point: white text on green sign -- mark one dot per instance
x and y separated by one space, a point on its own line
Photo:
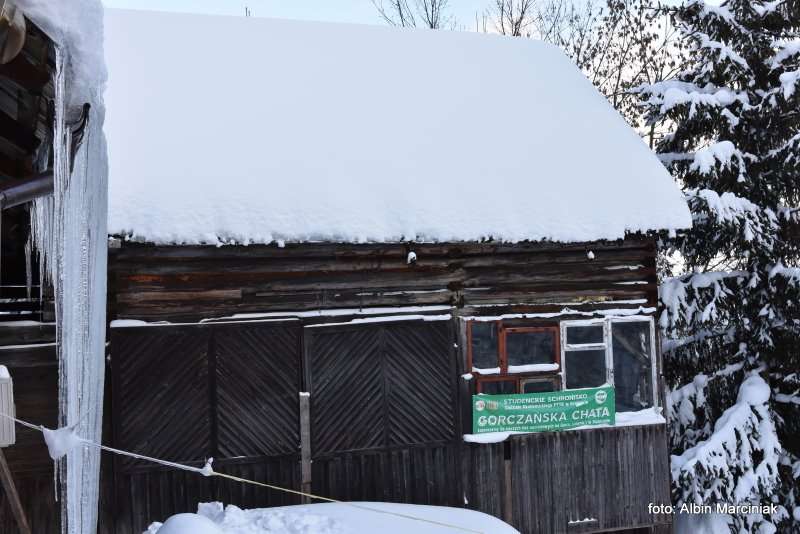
537 412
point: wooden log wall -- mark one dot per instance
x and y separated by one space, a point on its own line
190 283
26 94
29 352
606 475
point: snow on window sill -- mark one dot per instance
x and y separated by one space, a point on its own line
533 368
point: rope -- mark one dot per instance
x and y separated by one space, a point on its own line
207 471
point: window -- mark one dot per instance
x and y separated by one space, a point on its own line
484 345
497 386
540 385
575 354
585 354
633 364
505 357
531 349
585 368
616 351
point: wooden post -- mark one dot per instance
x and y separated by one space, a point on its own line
10 490
305 445
508 507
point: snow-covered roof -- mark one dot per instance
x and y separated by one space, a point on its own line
256 130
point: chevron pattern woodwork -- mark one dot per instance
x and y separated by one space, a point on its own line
257 382
382 385
161 392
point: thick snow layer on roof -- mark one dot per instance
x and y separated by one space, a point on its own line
251 130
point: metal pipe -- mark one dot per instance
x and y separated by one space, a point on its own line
26 190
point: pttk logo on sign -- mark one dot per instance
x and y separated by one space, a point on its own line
538 412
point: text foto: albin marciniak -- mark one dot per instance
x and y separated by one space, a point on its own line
718 508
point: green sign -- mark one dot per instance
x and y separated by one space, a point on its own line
538 412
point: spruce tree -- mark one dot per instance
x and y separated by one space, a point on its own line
731 311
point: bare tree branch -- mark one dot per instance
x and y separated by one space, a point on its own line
426 13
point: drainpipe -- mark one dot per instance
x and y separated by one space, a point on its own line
26 190
12 31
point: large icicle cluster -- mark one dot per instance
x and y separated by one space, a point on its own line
69 230
731 312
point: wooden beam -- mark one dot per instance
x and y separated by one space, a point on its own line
10 490
18 134
25 74
305 446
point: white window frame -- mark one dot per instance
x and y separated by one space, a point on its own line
608 346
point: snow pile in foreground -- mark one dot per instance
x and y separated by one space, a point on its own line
291 131
329 518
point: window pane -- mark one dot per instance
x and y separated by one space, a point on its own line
497 387
539 386
527 348
585 368
633 376
584 335
484 345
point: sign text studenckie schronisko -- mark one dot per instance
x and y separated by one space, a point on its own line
538 412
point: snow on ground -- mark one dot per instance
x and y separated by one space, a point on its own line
329 518
702 524
255 131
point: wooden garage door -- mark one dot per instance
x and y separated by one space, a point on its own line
187 393
382 421
380 385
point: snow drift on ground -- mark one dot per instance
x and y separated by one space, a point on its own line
253 130
328 518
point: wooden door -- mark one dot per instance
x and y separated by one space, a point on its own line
383 411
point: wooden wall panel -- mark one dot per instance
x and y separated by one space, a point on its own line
380 385
257 380
416 474
161 393
191 392
607 474
345 378
196 282
29 352
420 377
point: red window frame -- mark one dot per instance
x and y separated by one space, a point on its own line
502 341
502 355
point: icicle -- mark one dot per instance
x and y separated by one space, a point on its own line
55 480
69 231
29 269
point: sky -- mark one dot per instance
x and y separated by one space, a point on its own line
357 11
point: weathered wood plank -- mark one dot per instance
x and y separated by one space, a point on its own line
16 334
201 282
560 477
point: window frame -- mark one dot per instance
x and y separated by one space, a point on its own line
502 355
484 379
541 378
608 346
562 347
503 340
653 349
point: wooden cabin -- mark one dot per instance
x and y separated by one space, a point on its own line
325 239
391 222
